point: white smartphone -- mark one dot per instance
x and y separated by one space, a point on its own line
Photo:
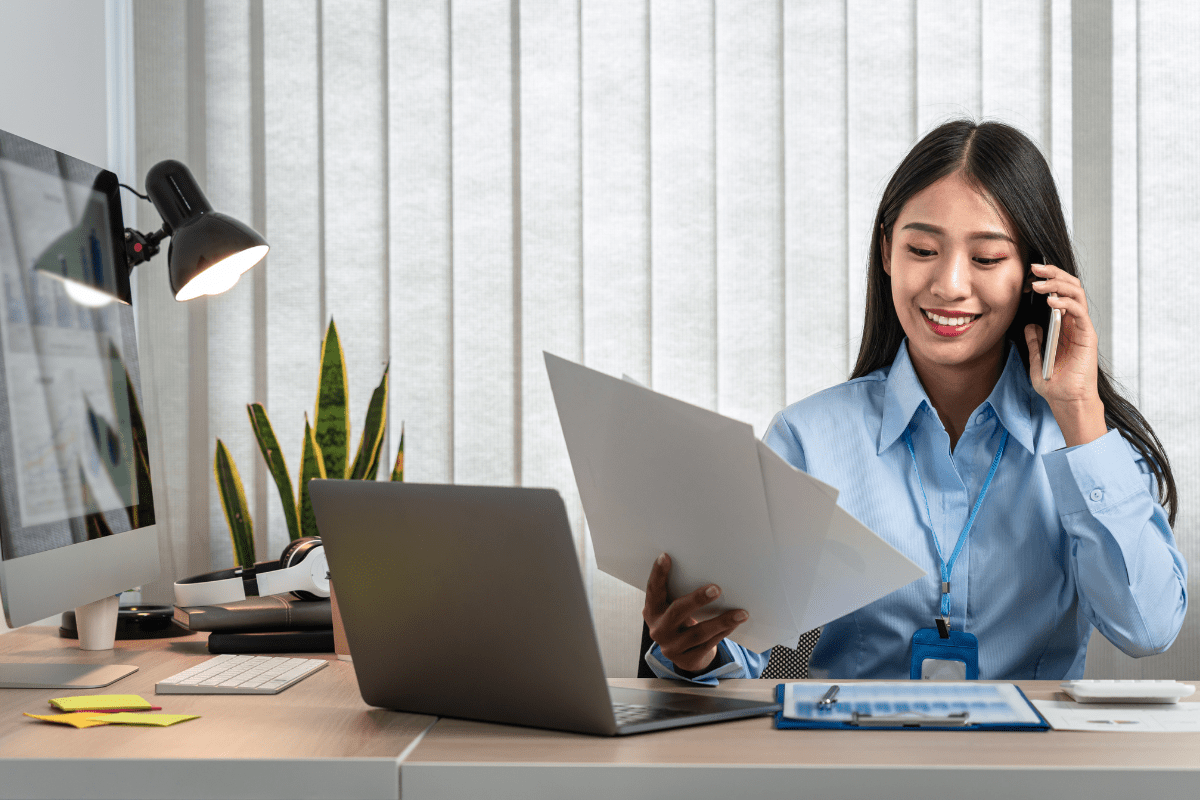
1050 345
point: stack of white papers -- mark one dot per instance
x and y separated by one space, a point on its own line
656 475
1121 717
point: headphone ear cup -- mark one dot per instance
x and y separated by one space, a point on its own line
294 553
291 554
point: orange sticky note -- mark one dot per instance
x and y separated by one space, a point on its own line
74 720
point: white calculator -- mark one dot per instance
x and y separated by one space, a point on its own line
1127 691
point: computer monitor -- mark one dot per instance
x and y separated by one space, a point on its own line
76 503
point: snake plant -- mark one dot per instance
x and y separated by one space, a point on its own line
127 466
324 453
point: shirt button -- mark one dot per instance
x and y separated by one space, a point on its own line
1097 495
982 418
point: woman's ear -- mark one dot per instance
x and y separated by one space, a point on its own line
885 251
1027 285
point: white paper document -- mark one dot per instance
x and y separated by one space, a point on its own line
1123 717
656 475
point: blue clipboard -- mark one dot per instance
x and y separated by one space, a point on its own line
910 705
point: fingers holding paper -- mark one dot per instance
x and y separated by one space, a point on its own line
690 645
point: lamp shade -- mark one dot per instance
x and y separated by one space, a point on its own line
208 255
209 250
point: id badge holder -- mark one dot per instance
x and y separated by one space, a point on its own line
935 658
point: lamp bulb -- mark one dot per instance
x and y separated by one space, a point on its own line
222 276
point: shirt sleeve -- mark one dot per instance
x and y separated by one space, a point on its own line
1131 578
781 437
733 661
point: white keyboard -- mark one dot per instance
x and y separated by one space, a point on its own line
1127 691
229 674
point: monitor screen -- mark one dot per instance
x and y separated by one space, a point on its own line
74 460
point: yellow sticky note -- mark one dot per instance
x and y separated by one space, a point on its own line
135 718
100 702
74 720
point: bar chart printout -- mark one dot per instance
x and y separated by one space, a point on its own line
984 703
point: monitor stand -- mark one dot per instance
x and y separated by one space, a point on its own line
36 675
97 624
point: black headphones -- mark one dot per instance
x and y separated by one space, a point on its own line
301 570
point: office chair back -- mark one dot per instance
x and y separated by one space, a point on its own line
786 663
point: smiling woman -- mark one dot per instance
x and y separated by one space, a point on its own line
994 191
1052 496
956 277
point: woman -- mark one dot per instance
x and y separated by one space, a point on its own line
1039 508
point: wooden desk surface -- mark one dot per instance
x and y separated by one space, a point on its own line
318 739
315 739
751 758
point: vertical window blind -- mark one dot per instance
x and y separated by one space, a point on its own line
681 191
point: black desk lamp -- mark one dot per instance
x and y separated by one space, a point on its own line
209 250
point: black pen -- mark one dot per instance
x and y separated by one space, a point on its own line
830 696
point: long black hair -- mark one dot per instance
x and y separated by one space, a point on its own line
1009 169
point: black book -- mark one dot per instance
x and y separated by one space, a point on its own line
273 613
259 642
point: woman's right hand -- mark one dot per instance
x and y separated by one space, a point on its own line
691 646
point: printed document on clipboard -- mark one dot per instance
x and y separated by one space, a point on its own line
656 474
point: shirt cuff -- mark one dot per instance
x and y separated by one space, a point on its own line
1094 476
725 666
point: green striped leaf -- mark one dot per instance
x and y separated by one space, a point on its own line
373 470
96 526
366 461
94 522
273 455
312 465
398 468
141 512
331 422
233 501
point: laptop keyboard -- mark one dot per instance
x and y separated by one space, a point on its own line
635 714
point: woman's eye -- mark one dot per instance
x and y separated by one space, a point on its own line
988 262
917 251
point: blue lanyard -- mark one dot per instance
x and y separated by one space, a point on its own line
948 567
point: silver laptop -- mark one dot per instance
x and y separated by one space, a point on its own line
467 601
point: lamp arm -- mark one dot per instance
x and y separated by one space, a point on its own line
141 247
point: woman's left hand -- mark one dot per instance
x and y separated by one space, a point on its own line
1072 389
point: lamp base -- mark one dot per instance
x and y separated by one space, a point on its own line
133 622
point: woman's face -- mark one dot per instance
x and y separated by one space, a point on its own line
957 275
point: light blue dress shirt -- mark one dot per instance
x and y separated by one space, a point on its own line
1066 538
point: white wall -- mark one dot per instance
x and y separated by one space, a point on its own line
53 78
52 75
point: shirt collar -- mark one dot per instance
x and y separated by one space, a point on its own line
1011 399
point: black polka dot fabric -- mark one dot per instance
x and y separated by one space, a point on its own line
789 664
